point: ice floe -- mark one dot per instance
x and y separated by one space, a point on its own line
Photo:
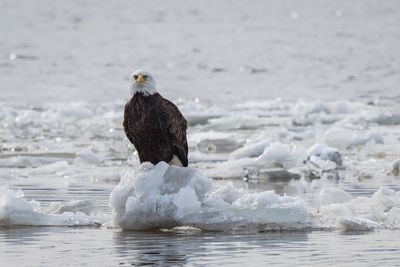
395 167
15 210
345 138
163 196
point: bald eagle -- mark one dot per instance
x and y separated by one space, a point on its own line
153 124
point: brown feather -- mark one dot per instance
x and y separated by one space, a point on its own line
156 128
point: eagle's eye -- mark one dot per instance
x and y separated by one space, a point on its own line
135 77
145 77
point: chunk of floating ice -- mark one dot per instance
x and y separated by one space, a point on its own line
253 149
164 196
322 158
17 211
157 196
325 153
231 168
387 119
87 156
387 197
24 161
224 195
238 121
349 224
86 206
393 218
346 138
333 196
50 168
305 113
281 155
395 167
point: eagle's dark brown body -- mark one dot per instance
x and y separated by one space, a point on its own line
156 128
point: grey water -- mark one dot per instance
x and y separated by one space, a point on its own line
96 247
64 69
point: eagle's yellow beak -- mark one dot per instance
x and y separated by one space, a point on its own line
141 79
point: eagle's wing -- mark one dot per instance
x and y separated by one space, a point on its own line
127 123
175 127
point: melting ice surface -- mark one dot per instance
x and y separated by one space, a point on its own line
253 166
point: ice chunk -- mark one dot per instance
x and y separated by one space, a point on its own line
87 156
50 168
356 224
387 197
237 121
157 196
325 153
164 196
322 159
231 168
86 206
347 138
395 167
226 194
333 196
387 118
279 155
393 218
253 149
15 210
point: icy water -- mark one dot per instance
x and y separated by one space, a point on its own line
260 84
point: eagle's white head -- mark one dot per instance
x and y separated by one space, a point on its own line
143 82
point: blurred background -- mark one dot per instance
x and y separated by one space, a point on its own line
222 51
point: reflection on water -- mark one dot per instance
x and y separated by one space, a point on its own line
153 248
109 247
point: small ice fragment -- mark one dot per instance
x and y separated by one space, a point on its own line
86 206
157 196
325 152
227 194
253 149
395 167
278 155
17 211
349 224
387 197
393 218
347 138
50 168
87 156
333 195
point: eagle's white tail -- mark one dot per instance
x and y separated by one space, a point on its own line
175 161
